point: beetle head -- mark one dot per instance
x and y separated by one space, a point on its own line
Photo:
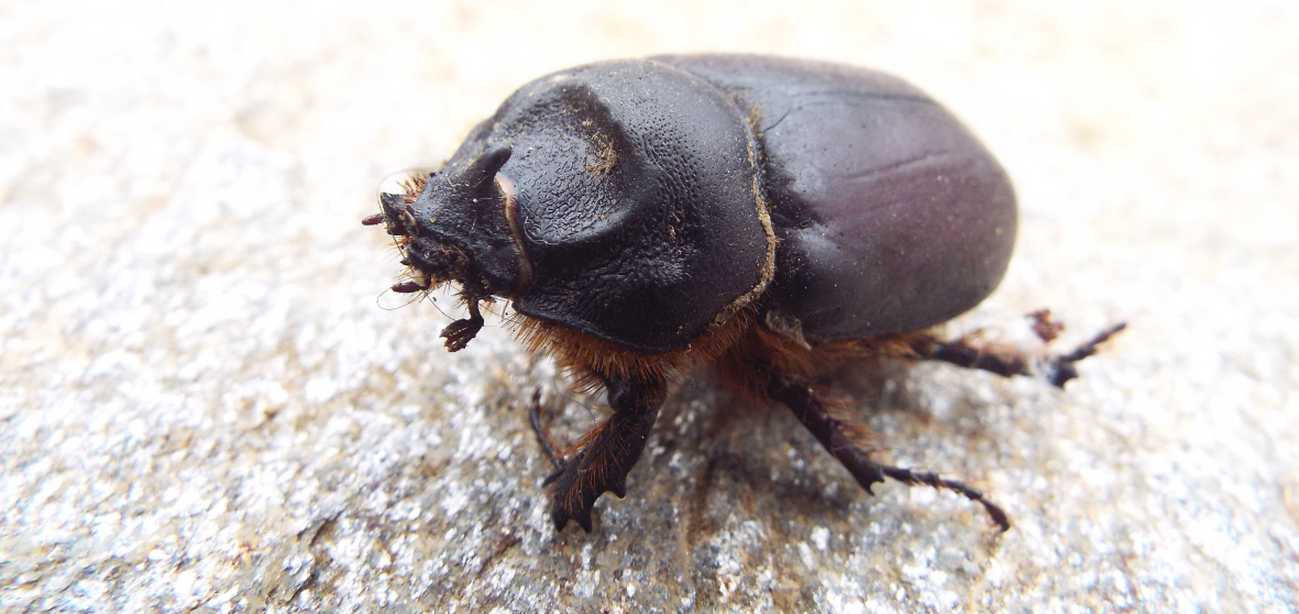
455 225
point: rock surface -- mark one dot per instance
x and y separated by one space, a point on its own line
204 405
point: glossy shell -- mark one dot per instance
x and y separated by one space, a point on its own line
892 217
656 197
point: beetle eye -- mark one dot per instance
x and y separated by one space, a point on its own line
406 183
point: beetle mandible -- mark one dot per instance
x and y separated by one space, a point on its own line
769 218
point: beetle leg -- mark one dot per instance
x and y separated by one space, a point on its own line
606 453
1060 368
1009 361
458 334
843 440
534 420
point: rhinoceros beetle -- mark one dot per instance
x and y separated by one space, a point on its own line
769 218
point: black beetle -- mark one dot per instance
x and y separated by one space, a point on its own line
770 218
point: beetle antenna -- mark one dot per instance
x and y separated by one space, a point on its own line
406 287
378 300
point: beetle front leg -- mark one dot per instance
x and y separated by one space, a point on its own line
605 454
844 440
1006 360
458 334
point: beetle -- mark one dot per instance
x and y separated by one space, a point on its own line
768 218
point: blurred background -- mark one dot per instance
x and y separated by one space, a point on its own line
207 402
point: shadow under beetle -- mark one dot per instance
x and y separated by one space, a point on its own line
768 218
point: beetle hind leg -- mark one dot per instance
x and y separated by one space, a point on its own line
1060 368
604 455
1007 360
844 440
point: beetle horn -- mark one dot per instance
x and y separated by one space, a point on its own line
397 213
391 203
483 169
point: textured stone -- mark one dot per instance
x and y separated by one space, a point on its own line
206 402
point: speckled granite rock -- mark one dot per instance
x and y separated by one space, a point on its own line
204 405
